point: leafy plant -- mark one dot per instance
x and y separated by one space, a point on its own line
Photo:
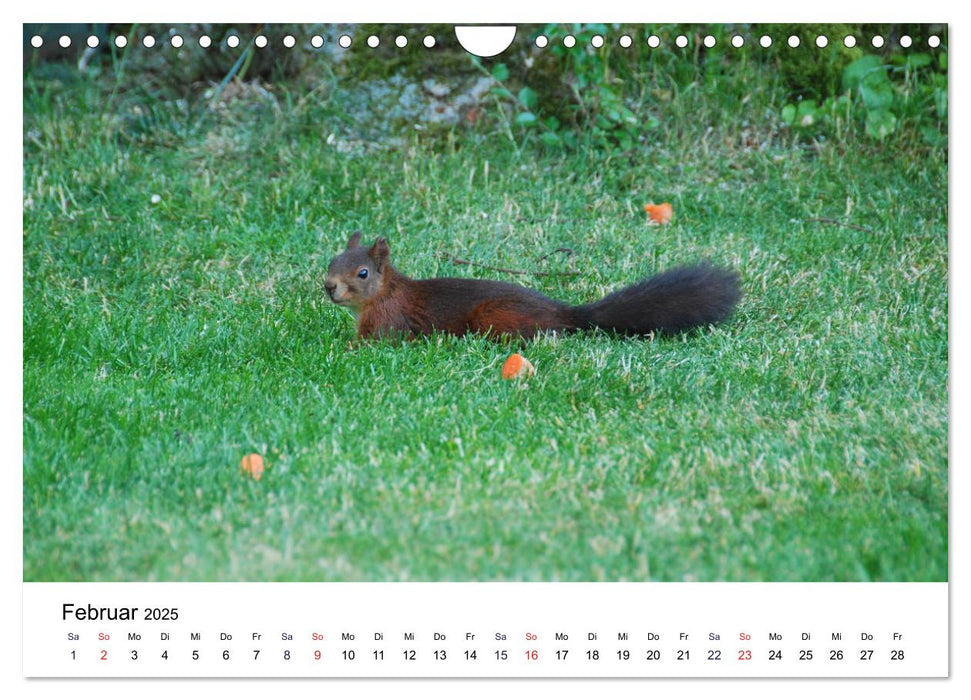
881 93
585 93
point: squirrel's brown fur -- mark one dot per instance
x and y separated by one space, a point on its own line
387 302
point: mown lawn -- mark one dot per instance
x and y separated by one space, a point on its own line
805 439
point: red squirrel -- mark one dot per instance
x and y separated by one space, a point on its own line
387 303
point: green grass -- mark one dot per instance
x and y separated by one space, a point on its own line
805 439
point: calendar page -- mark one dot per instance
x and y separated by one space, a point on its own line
524 350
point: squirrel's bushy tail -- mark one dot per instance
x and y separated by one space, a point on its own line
670 302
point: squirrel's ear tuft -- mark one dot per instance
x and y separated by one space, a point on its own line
379 252
354 240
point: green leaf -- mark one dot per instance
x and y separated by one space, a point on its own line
789 114
806 107
608 96
501 92
528 97
880 123
869 68
877 97
526 118
933 136
548 138
940 103
919 60
500 72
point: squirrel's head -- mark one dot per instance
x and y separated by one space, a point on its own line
357 275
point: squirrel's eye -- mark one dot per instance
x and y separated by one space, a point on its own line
362 273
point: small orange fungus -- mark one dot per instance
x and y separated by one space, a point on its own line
252 464
659 214
517 366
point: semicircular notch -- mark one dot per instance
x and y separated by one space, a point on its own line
485 41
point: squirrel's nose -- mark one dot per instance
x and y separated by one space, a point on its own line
330 287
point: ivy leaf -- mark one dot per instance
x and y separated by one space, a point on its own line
527 96
877 97
880 123
500 72
865 68
933 136
919 60
526 118
806 107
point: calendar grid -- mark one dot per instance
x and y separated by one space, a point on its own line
485 630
